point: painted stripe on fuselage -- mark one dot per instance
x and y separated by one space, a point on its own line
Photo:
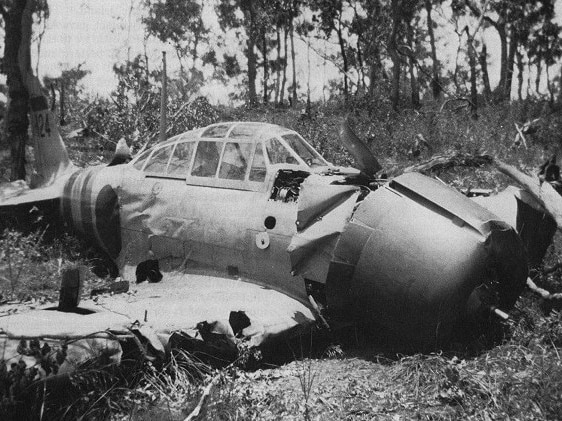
78 204
66 203
86 204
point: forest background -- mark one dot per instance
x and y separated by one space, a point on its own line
418 78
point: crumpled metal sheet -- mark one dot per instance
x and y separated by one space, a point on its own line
519 209
318 199
85 337
217 313
322 214
172 221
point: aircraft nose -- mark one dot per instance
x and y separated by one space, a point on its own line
409 266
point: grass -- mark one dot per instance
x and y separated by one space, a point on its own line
519 377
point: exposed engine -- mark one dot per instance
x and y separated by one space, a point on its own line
287 185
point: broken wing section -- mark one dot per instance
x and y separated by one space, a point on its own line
54 342
209 309
211 315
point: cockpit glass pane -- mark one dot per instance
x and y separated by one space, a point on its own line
258 170
235 160
304 150
206 159
244 131
179 164
218 131
159 160
277 153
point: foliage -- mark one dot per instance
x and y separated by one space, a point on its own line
133 112
30 266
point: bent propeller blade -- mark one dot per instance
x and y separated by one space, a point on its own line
366 161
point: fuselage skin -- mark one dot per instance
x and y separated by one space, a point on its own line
412 256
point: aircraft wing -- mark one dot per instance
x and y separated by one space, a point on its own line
200 313
19 193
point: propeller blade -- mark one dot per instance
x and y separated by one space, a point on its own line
366 161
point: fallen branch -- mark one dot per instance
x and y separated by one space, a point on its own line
466 100
520 134
443 162
206 391
543 292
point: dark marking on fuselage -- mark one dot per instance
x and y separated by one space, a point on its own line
108 223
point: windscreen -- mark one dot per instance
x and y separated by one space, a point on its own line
304 150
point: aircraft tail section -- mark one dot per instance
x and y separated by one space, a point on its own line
51 156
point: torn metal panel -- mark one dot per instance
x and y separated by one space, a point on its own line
323 212
523 212
441 198
83 337
317 199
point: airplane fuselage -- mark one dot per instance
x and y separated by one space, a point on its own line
411 255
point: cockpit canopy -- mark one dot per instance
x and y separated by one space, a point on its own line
240 151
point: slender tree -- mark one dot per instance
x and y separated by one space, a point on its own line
435 79
179 23
483 59
513 20
393 52
16 120
331 19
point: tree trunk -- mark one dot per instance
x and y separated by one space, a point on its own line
539 71
435 84
548 84
17 121
501 89
361 82
519 75
285 63
513 45
265 69
375 71
251 55
528 79
472 65
394 56
341 42
483 58
412 68
560 86
308 101
250 18
294 93
278 71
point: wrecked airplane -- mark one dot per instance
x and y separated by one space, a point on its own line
247 234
